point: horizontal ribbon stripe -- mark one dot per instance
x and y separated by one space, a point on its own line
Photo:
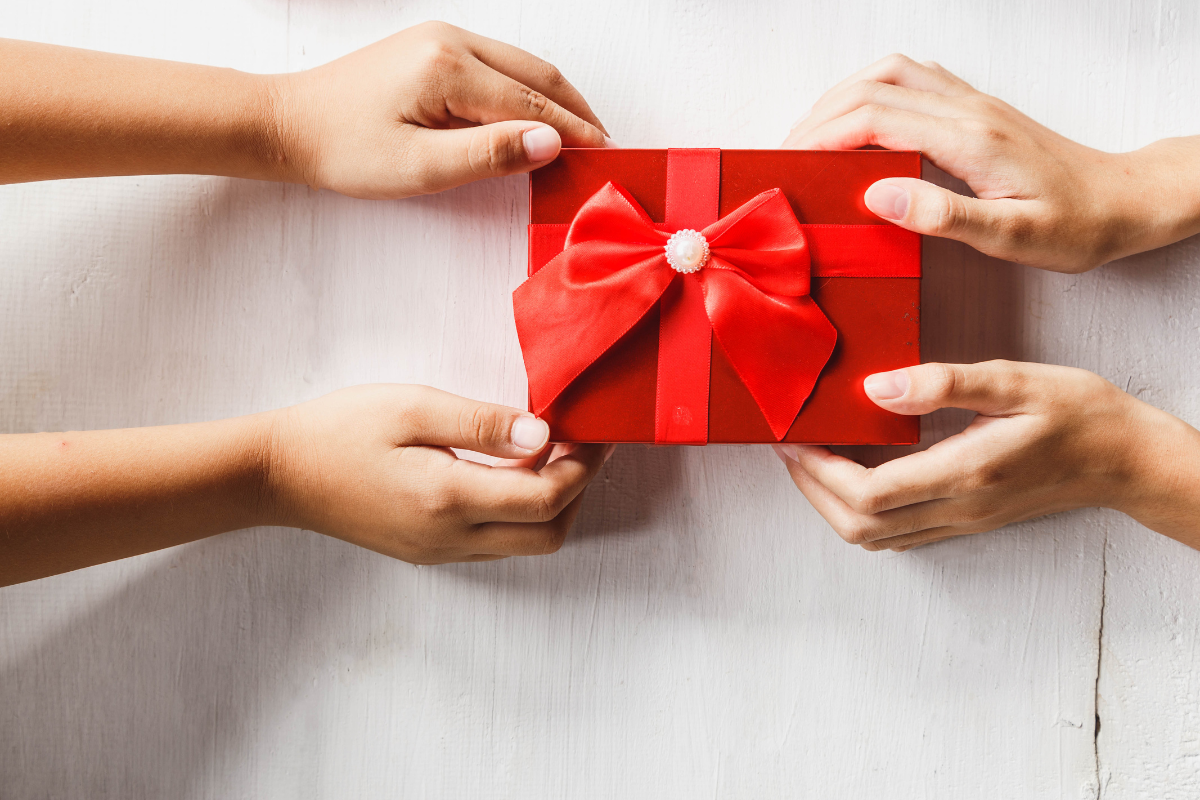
838 251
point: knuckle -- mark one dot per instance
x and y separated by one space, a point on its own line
856 531
1019 231
942 380
535 102
436 28
897 61
1012 378
985 131
553 77
492 151
478 424
872 500
866 90
982 509
411 419
946 214
547 504
439 503
555 538
438 56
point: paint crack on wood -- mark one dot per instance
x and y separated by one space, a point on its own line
1100 782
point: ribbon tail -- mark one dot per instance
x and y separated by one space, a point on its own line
778 345
566 323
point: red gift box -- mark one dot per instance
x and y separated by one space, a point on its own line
805 293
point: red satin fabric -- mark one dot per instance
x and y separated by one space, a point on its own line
681 389
613 270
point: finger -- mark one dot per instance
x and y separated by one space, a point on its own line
915 478
864 529
892 128
901 70
527 539
513 494
898 70
483 95
449 158
533 72
535 463
430 416
938 68
867 92
993 388
990 226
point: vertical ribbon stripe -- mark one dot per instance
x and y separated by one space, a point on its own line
685 332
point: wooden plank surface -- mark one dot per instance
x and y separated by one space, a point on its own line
703 633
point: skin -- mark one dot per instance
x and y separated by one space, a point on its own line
1046 438
427 109
370 465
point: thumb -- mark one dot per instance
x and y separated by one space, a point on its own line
993 388
442 419
461 155
922 207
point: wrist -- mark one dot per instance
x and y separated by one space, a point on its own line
279 484
1154 199
1161 468
291 156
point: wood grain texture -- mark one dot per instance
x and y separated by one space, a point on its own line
703 633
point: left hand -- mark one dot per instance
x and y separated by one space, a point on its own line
1046 439
427 109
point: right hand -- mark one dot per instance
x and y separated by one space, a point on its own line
427 109
1041 199
372 465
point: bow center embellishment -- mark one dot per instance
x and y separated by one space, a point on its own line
687 251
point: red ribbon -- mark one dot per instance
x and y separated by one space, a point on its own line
753 294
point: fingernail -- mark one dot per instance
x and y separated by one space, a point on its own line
529 433
803 117
887 200
786 452
610 143
541 144
887 385
608 451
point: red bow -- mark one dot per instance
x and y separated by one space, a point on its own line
614 270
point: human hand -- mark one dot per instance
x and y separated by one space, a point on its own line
1041 199
426 109
373 465
1046 439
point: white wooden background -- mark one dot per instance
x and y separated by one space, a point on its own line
703 633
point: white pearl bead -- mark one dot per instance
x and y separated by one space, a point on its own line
688 252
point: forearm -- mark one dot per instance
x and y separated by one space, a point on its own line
69 113
70 500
